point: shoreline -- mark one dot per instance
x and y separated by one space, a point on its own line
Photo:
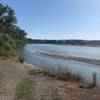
80 59
17 80
68 45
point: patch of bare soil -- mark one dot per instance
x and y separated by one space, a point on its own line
64 90
44 88
72 91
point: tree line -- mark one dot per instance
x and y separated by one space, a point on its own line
11 35
65 42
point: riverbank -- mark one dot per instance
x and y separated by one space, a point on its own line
17 83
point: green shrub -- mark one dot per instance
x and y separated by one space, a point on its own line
2 42
12 43
20 42
3 52
7 46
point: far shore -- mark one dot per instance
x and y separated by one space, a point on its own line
69 45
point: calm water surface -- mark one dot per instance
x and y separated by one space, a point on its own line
32 55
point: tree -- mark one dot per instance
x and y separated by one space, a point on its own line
10 33
8 23
7 16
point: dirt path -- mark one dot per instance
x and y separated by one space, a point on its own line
10 76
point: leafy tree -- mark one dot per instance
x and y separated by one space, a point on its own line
10 34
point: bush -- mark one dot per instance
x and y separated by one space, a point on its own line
20 42
7 46
2 52
2 42
7 50
12 43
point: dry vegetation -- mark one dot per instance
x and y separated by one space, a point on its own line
59 75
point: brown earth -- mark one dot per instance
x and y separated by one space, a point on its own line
12 74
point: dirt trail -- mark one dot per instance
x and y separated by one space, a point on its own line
10 75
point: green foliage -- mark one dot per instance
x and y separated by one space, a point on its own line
11 35
20 42
7 46
2 52
2 42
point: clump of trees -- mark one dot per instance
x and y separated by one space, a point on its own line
11 35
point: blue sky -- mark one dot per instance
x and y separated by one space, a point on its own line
58 19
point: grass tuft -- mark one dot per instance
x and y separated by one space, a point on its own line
24 90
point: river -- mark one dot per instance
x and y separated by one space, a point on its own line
52 56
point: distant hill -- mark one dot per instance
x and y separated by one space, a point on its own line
66 42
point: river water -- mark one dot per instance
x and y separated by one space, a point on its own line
39 55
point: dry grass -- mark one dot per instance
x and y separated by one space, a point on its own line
59 75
